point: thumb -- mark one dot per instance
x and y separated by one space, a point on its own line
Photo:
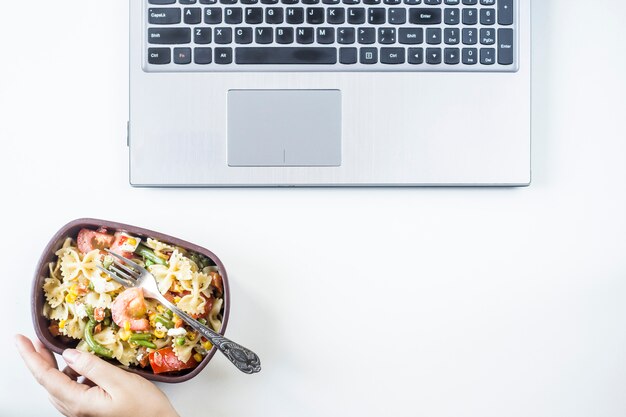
108 377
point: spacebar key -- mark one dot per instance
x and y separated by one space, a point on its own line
286 55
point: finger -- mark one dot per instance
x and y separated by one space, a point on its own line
107 376
59 406
45 353
54 381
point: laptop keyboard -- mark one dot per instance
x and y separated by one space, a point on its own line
331 35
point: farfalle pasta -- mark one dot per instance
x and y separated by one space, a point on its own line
83 303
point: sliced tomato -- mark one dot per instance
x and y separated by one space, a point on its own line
89 240
117 244
207 308
54 328
165 360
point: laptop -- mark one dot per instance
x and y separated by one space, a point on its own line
330 93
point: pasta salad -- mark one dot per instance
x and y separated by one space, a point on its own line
118 323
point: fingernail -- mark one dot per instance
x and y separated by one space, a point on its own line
70 355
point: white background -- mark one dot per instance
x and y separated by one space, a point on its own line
360 302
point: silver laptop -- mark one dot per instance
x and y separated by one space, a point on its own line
329 92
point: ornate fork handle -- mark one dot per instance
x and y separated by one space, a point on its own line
243 358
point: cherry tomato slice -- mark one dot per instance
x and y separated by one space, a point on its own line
88 240
165 360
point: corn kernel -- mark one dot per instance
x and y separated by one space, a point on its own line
127 325
191 335
124 335
62 324
159 333
70 298
198 357
160 308
207 345
74 289
176 299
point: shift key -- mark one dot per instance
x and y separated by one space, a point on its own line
169 36
506 50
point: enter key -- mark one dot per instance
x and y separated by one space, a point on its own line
506 50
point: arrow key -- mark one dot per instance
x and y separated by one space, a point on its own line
451 56
415 55
433 56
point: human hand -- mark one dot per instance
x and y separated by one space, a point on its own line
108 390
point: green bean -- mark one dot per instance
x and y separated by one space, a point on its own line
96 347
89 310
140 336
107 321
148 255
145 343
149 263
168 324
203 321
90 286
107 261
169 314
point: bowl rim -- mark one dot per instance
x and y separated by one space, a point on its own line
37 294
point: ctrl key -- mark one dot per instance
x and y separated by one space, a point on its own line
159 56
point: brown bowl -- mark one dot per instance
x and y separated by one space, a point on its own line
58 344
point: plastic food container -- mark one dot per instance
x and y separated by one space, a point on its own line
59 344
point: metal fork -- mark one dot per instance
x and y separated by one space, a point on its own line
130 274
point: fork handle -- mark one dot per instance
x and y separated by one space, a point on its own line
243 358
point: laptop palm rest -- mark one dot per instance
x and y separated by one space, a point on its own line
284 128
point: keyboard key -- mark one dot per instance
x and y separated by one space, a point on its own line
411 36
212 15
451 36
223 55
331 1
470 56
269 1
367 35
193 16
356 15
386 35
284 35
169 36
375 15
254 15
165 16
233 15
505 12
433 56
470 2
396 16
285 55
187 1
452 2
470 36
452 16
368 56
371 1
274 15
412 2
433 36
488 36
505 47
487 56
415 56
347 55
310 1
227 1
315 15
487 17
248 1
304 35
345 35
392 2
182 56
223 35
159 56
202 56
392 55
336 15
488 2
202 35
325 35
422 16
295 15
208 1
263 35
451 56
432 2
162 2
470 16
243 35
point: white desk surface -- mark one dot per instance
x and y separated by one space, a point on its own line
360 302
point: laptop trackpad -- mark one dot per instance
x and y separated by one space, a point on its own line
284 128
